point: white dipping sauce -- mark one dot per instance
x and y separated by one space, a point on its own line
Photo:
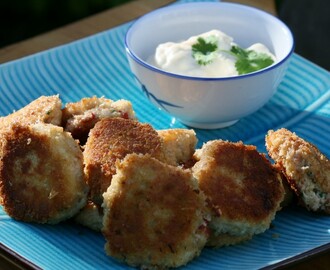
178 57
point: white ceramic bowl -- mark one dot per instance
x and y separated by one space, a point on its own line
208 102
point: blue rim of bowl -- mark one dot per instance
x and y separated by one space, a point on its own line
153 68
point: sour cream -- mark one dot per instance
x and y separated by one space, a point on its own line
178 57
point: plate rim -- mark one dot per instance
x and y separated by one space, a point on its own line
19 260
299 257
16 259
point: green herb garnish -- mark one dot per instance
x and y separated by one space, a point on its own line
249 61
205 50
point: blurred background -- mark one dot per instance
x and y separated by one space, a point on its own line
309 21
21 19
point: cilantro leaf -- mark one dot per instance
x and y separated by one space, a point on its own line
249 61
204 51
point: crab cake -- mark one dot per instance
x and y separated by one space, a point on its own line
154 214
45 109
41 174
306 168
243 189
91 216
178 145
112 139
79 117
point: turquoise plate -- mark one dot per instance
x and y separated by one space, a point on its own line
97 66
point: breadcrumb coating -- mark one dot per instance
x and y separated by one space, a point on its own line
178 145
154 214
243 189
305 167
112 139
41 174
91 216
45 109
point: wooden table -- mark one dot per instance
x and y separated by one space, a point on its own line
98 23
101 22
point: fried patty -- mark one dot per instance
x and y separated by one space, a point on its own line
178 145
91 216
243 190
41 174
112 139
79 117
154 214
306 168
45 109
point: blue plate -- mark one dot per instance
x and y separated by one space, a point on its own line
97 66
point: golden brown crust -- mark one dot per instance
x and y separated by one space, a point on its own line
178 145
91 216
41 174
154 214
113 139
243 189
80 117
305 167
45 109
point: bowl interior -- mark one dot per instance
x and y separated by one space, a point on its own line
177 22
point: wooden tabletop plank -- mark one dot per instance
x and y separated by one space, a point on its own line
98 23
80 29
